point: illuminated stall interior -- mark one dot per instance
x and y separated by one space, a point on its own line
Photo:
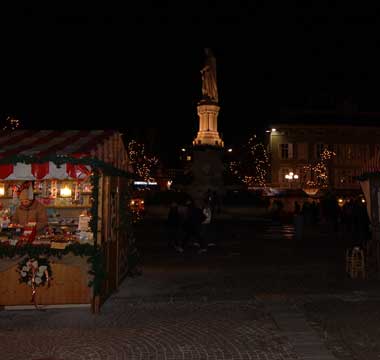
67 203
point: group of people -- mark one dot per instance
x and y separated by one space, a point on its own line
188 225
351 220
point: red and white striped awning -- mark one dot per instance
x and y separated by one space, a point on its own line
43 171
105 145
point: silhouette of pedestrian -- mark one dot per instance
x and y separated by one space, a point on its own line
173 226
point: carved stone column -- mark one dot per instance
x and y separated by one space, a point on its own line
208 126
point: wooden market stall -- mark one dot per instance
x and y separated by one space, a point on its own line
370 185
83 179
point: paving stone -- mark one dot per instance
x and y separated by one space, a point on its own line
271 301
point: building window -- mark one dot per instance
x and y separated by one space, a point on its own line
284 151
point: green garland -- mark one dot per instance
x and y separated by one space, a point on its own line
126 227
95 258
94 179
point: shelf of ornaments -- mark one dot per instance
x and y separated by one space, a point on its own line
68 206
55 224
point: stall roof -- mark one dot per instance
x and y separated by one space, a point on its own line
39 145
273 192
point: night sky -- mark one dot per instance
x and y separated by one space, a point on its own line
139 71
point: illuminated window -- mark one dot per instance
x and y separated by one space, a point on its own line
188 158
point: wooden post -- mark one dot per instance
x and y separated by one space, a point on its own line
98 236
95 305
374 248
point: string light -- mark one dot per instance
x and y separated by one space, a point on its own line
11 124
254 165
319 170
142 164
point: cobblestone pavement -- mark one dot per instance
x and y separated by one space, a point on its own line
348 324
214 306
157 330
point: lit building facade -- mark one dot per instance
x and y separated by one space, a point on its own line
297 151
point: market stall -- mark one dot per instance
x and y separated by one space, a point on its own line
82 178
370 185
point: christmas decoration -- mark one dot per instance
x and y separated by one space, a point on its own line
35 272
316 175
142 164
252 165
11 123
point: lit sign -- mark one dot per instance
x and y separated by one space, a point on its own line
144 183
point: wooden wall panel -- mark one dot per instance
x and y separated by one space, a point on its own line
69 286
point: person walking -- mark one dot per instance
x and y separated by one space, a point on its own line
192 225
173 227
205 227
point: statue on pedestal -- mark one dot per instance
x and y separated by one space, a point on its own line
209 87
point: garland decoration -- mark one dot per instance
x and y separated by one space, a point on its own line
126 227
35 272
95 258
93 224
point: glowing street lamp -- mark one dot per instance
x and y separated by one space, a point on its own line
291 176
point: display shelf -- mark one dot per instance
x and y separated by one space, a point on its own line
58 224
68 206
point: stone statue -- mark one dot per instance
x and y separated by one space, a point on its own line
209 88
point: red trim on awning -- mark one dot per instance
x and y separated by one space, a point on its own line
5 170
39 171
75 170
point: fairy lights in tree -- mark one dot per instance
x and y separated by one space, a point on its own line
11 124
143 164
318 172
253 164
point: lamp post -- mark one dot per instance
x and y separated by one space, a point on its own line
290 177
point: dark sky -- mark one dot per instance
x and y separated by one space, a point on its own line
139 69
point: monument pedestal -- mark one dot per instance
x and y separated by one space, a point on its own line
208 125
207 170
